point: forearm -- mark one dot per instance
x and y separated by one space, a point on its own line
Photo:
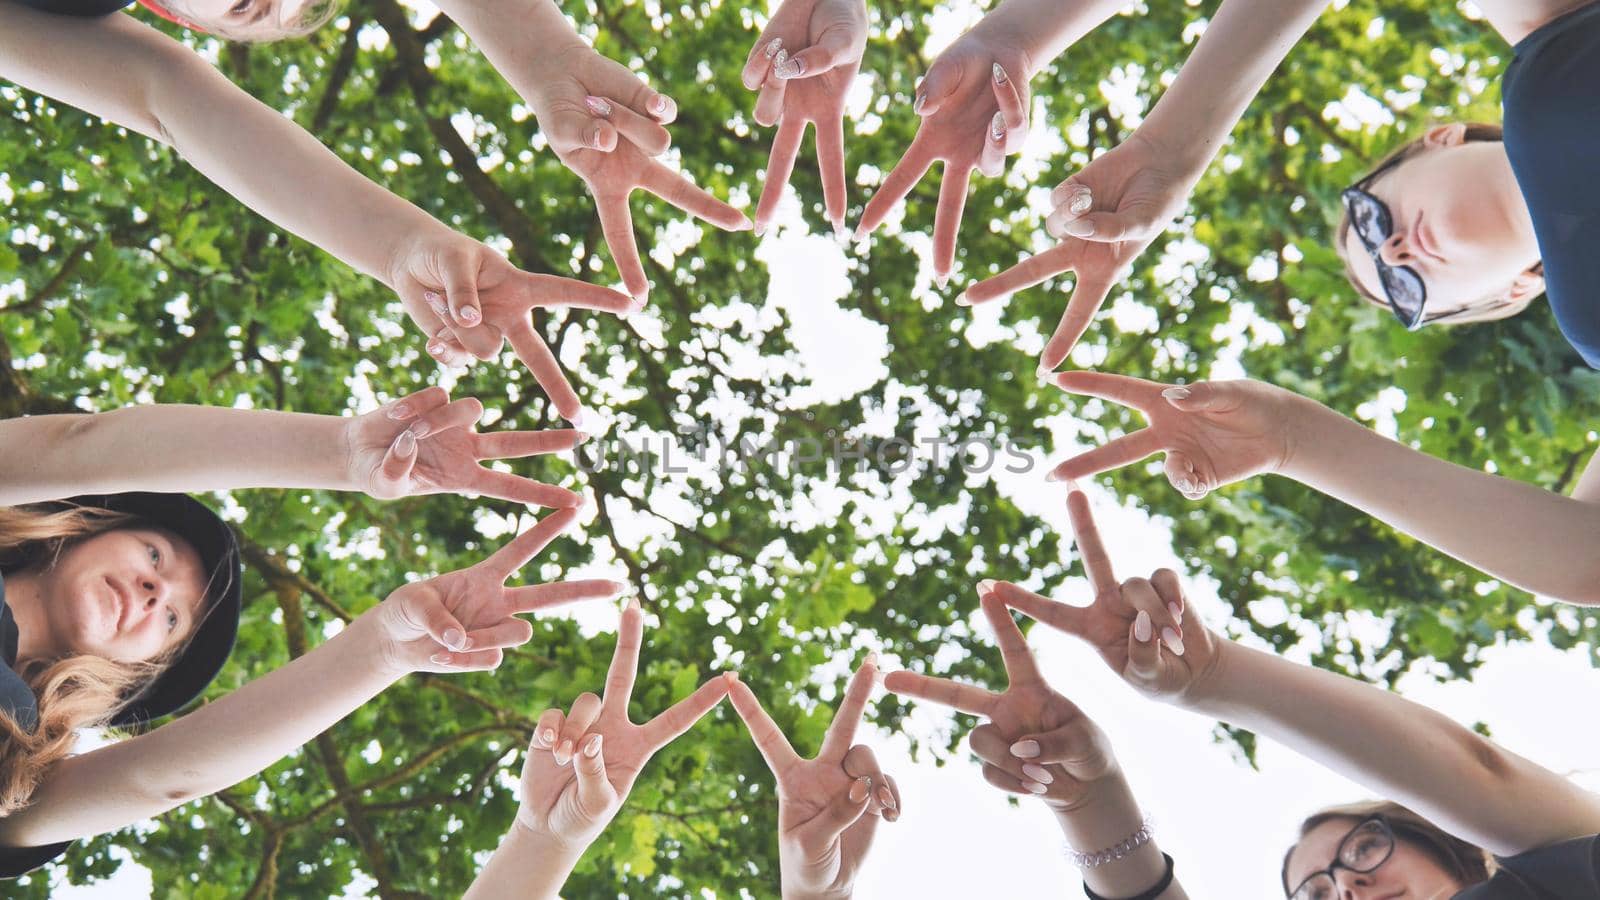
212 748
525 865
513 34
1399 750
1042 29
1241 47
1109 817
1521 534
169 448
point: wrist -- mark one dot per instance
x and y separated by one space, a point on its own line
372 640
536 843
1305 435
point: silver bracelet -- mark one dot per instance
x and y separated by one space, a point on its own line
1116 851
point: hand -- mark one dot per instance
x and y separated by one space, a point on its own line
580 766
974 111
1106 215
1214 432
828 807
605 124
1126 619
460 621
804 63
1025 718
427 444
469 299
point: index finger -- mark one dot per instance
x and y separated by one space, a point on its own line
896 185
1088 295
553 290
1123 390
774 747
513 556
536 355
1020 665
674 188
947 215
616 224
1026 273
625 660
681 716
842 732
1096 562
954 694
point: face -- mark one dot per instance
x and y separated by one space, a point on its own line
1459 221
127 595
1409 872
241 18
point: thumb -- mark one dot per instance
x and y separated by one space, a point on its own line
595 793
1181 472
399 459
1197 397
437 620
831 49
843 811
568 131
1144 651
1109 227
936 88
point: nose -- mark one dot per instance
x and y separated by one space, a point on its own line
152 592
1353 885
1398 249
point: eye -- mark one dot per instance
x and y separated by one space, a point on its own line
238 8
155 555
172 620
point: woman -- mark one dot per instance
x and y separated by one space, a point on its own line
1541 828
1461 259
119 607
463 294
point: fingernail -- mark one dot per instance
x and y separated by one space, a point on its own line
760 230
941 280
730 677
961 299
1081 202
658 105
871 660
1053 476
599 106
454 639
633 604
1176 393
839 234
1174 642
773 47
886 798
1035 787
1045 374
858 790
917 104
986 586
1141 626
440 659
419 430
1184 485
1038 773
860 232
577 419
435 302
406 443
778 64
1078 227
1025 749
1177 612
470 315
591 747
400 411
997 127
999 74
434 349
548 737
789 68
595 134
745 224
638 304
564 753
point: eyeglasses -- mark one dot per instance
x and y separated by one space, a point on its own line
1366 847
1402 286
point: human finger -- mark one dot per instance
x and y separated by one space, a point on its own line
415 404
1060 616
517 489
1113 454
964 697
553 290
834 47
616 224
841 812
859 760
674 188
947 217
437 620
769 102
469 661
774 747
595 793
515 554
829 134
991 747
645 133
460 275
1024 274
896 185
1010 783
1111 226
462 413
625 659
519 444
399 459
681 716
1141 595
1170 590
1089 293
535 354
785 146
1013 112
894 806
535 597
1180 471
585 710
512 632
1019 662
447 351
759 64
1091 547
548 729
841 731
1123 390
937 86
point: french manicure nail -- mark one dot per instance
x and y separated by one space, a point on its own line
1078 228
453 638
406 443
600 106
563 753
1053 476
1176 393
440 659
859 790
1025 749
470 315
1035 787
997 127
962 300
1177 612
400 411
548 737
591 747
986 586
773 46
999 74
1141 626
886 798
1038 773
1173 640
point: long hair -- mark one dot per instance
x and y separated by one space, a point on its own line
1475 132
73 692
1469 863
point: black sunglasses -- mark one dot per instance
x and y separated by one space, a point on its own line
1363 849
1373 224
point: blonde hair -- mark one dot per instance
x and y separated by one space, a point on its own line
1475 132
1467 862
313 16
73 692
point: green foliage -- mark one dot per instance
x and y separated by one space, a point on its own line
135 280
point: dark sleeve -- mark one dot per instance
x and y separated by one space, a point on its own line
21 861
1569 870
81 8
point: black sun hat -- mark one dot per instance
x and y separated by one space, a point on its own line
209 646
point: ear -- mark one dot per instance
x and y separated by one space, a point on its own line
1451 135
1526 286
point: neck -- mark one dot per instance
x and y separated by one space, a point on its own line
1516 19
25 596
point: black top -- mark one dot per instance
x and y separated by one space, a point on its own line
1551 97
17 699
1569 870
78 7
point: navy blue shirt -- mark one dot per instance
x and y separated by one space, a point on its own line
78 7
1551 98
1569 870
18 701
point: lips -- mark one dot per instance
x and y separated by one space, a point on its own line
124 603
